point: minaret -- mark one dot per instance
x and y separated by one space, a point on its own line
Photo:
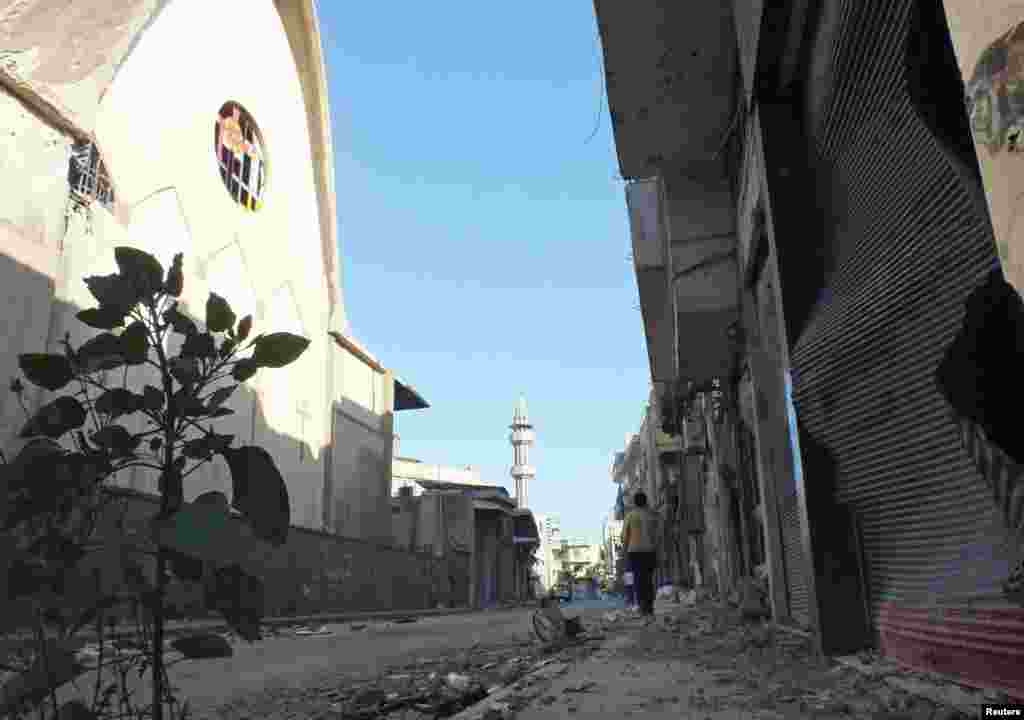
521 439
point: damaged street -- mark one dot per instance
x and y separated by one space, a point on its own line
700 659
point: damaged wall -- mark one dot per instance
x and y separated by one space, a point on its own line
33 170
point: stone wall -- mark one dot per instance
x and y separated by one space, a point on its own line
317 572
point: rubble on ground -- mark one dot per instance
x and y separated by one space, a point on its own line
441 687
759 670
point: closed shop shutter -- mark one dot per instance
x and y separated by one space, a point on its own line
908 248
792 546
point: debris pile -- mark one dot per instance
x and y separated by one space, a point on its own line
434 688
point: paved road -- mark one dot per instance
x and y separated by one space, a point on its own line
294 662
285 665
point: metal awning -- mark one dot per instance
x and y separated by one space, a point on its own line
501 507
671 74
525 526
406 397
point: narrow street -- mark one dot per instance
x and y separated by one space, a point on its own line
307 676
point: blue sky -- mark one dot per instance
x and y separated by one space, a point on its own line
484 240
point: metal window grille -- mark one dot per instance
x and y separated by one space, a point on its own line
241 159
87 175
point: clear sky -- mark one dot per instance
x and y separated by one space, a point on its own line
484 240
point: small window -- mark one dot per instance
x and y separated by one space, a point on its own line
241 157
88 177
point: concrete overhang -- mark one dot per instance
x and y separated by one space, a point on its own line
645 200
671 71
705 274
671 74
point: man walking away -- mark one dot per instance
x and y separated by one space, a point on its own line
630 587
638 534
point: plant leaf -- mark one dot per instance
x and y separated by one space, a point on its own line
239 597
259 492
219 315
222 412
116 439
227 347
244 328
117 402
141 269
55 418
205 446
185 369
206 645
135 343
175 278
244 369
184 566
277 350
47 371
187 405
205 531
214 498
102 352
17 471
179 321
102 318
113 292
152 398
200 345
219 396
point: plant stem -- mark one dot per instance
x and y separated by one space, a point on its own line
99 660
161 556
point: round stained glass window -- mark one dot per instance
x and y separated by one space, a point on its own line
241 156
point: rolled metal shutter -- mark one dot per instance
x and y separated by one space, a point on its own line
909 249
792 546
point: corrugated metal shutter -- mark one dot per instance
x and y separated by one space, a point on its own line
792 545
909 249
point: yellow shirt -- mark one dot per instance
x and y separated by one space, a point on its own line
638 530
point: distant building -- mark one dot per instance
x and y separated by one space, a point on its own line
406 472
479 519
576 557
612 546
550 538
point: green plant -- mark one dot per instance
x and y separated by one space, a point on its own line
63 577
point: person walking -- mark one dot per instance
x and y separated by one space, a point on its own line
630 588
638 538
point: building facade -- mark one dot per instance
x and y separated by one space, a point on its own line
108 144
809 229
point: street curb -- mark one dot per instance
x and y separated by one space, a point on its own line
545 670
176 628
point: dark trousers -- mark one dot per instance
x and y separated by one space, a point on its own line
643 577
